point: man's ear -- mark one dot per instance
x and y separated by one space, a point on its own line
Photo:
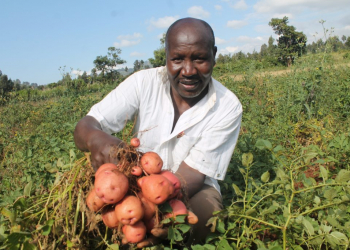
214 54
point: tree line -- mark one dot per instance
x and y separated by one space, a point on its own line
282 51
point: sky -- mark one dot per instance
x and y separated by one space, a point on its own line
41 40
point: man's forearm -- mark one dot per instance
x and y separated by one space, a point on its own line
85 129
191 179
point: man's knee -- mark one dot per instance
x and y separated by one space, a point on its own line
203 204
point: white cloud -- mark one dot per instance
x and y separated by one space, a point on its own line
219 41
347 27
198 12
218 7
130 37
137 54
163 22
236 24
126 43
231 49
79 72
297 6
247 39
128 40
240 5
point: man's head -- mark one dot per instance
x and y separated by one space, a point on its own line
190 57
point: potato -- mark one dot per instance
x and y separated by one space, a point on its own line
129 210
136 170
111 186
109 217
151 163
178 208
175 181
106 167
135 142
93 201
134 233
149 208
156 188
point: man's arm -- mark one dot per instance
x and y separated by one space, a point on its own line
191 180
88 136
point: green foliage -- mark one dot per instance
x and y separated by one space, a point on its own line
107 64
159 54
290 42
287 185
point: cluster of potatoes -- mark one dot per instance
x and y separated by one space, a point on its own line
136 212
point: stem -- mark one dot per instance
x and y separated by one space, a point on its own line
255 219
321 185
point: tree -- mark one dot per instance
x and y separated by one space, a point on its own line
6 85
343 38
291 43
137 65
159 54
347 43
107 64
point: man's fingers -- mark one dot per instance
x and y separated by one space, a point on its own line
192 218
151 241
160 232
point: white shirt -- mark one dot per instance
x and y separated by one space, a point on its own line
204 136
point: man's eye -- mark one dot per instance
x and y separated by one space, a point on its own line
200 60
176 60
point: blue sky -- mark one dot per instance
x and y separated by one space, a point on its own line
39 37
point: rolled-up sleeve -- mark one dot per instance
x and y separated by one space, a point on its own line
119 106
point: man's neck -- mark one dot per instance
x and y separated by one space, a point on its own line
182 104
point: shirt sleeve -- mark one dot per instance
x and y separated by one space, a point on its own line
212 153
119 106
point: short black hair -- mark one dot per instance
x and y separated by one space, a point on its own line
206 25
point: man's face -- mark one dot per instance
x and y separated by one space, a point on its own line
190 60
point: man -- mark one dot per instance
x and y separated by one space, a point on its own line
183 114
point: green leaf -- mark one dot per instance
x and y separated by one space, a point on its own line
113 247
7 213
223 244
220 227
337 238
178 236
317 200
28 188
308 226
28 246
330 194
324 173
165 208
237 190
247 159
250 211
72 155
343 176
180 218
171 233
212 221
278 148
265 176
263 144
184 228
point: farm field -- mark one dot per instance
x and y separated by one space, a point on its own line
287 187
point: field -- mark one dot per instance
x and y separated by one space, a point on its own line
288 184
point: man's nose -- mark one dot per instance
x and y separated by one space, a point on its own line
188 68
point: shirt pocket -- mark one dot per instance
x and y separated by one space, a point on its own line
182 148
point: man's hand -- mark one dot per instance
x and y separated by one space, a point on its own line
88 136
